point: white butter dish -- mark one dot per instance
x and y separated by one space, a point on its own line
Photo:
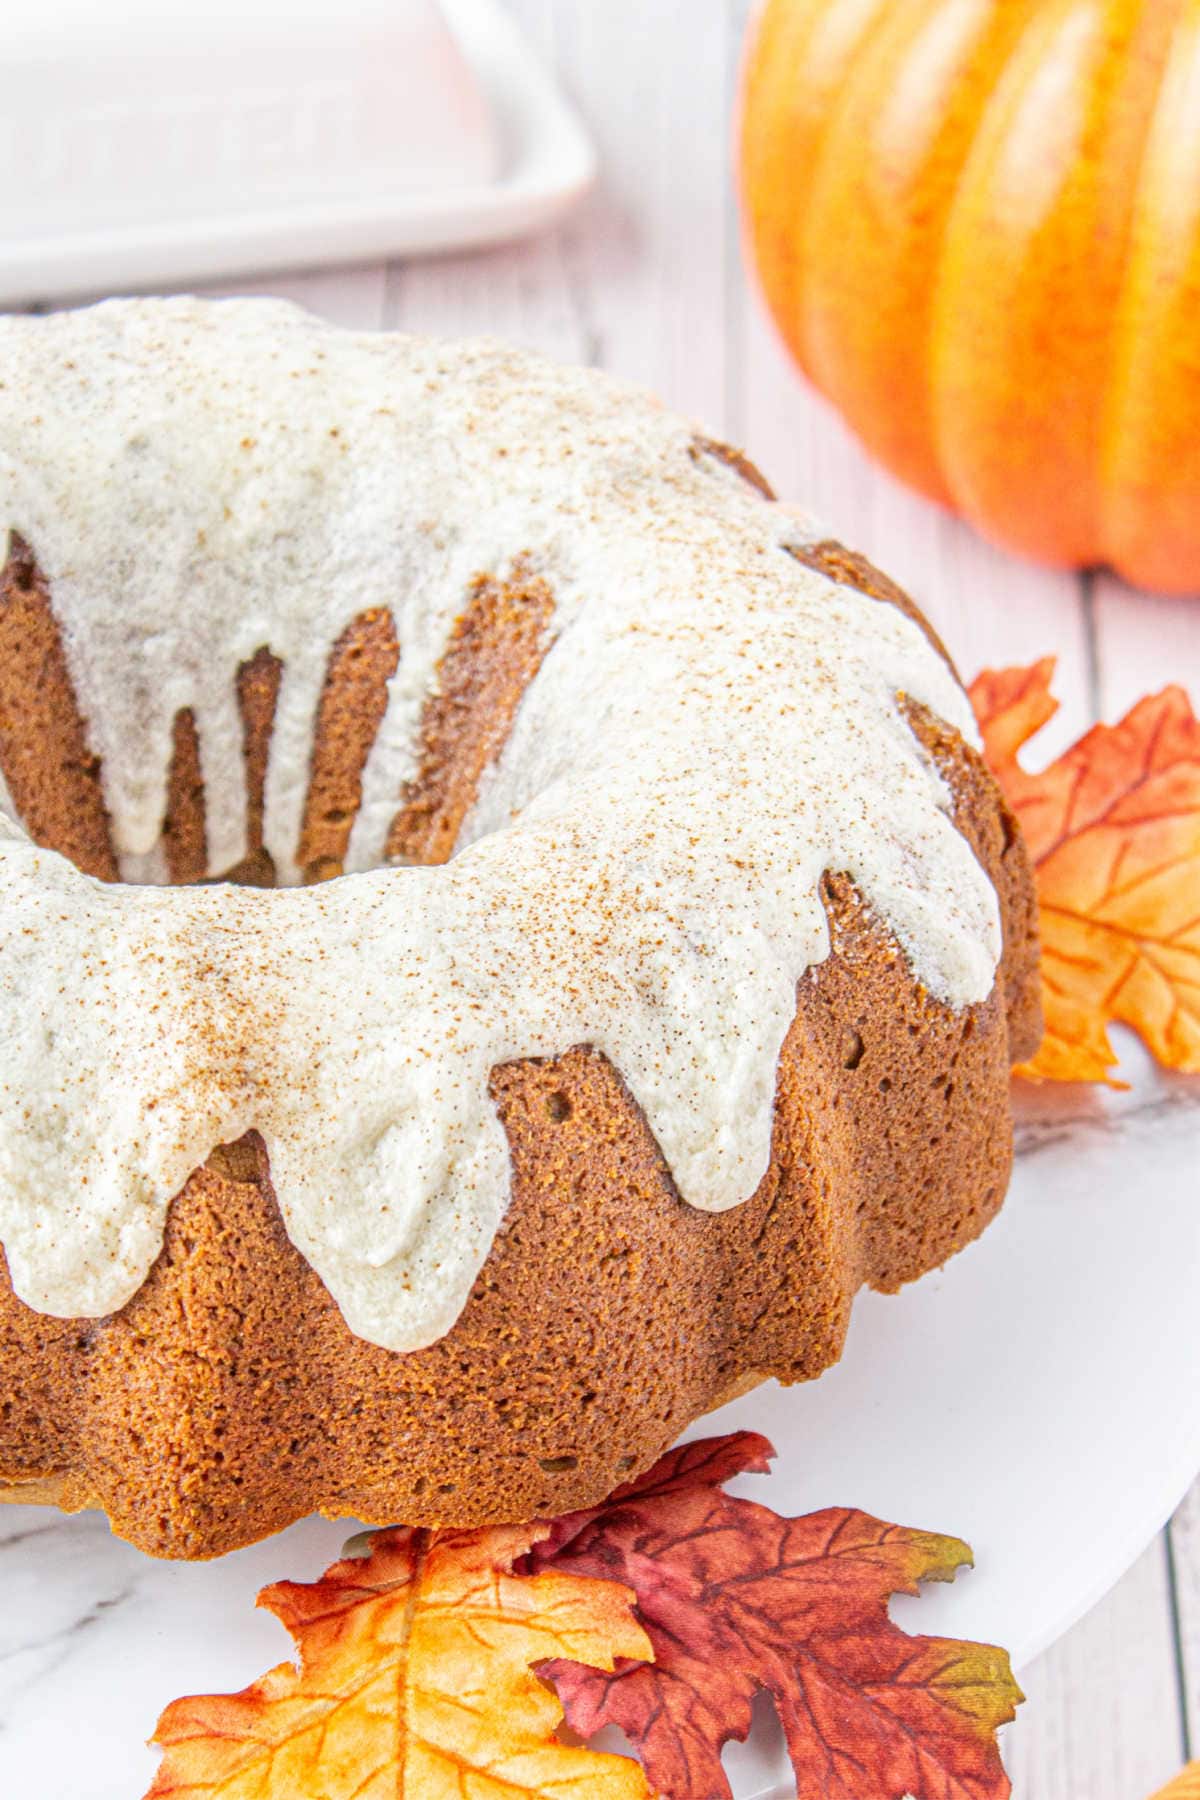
144 143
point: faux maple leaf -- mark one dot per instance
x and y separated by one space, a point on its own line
736 1599
1113 828
1185 1786
414 1678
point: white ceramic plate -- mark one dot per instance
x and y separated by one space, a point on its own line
1039 1397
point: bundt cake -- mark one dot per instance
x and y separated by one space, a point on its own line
667 994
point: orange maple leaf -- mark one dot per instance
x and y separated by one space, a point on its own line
1185 1786
414 1677
1113 827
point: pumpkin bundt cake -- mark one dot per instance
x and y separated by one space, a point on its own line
667 991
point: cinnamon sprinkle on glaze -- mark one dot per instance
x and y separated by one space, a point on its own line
709 728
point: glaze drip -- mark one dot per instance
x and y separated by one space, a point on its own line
711 727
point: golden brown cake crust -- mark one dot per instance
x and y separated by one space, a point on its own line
353 703
229 1397
185 846
495 651
52 775
257 696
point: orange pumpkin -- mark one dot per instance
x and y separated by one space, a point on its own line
977 224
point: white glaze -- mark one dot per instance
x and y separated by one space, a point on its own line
713 726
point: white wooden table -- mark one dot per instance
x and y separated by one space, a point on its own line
647 280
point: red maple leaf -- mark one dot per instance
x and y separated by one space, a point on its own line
736 1599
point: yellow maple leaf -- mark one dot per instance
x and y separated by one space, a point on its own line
1113 828
414 1677
1186 1785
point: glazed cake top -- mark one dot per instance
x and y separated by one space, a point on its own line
712 727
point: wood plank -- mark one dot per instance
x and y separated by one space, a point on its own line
524 294
1143 641
345 296
1101 1717
634 280
646 253
1185 1547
